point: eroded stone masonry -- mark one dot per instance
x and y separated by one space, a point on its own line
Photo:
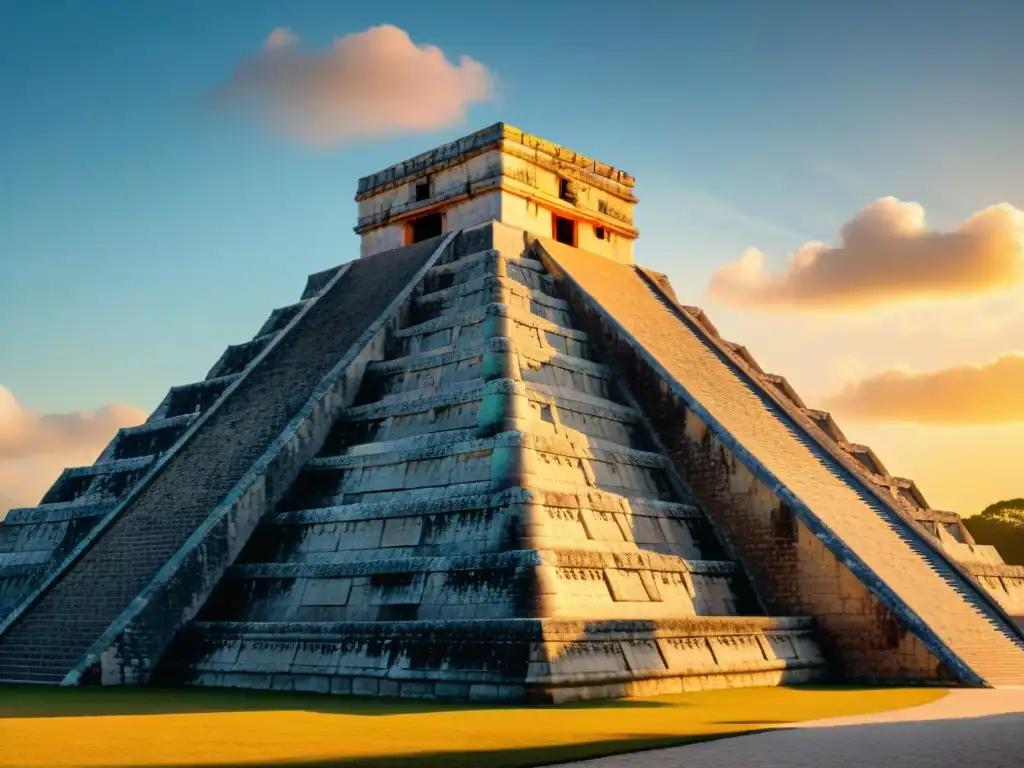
494 459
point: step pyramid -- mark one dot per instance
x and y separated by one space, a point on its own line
491 465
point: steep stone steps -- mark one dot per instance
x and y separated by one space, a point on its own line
81 603
946 610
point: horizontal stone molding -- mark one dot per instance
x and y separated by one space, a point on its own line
554 630
515 559
426 361
110 467
494 136
491 283
59 512
493 309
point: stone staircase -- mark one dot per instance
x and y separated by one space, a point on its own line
950 614
35 540
233 419
490 518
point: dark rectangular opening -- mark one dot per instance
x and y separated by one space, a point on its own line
564 190
565 230
398 612
425 228
422 190
784 524
599 233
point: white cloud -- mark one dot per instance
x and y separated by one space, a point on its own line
885 256
35 447
367 84
964 394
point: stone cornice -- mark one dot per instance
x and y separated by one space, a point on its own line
510 140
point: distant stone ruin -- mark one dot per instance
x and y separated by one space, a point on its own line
493 459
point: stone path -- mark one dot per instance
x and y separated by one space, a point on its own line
967 728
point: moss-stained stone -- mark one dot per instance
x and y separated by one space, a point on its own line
421 576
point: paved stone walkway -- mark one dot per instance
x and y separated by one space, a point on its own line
967 728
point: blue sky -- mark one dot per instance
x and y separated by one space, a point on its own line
139 235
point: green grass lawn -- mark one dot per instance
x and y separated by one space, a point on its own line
150 727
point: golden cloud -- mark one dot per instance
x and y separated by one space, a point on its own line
368 84
35 447
885 256
964 394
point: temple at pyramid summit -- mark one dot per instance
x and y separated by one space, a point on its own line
493 458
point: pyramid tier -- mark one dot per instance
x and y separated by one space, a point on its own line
493 660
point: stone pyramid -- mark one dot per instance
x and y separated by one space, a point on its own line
480 462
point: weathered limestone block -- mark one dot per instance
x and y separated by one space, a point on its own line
626 586
402 532
687 653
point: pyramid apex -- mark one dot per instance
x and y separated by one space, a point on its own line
505 174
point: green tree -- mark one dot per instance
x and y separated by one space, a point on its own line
1002 525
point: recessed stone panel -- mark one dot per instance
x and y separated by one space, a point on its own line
643 656
332 592
626 586
687 653
402 532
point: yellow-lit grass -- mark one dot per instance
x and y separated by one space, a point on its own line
55 727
